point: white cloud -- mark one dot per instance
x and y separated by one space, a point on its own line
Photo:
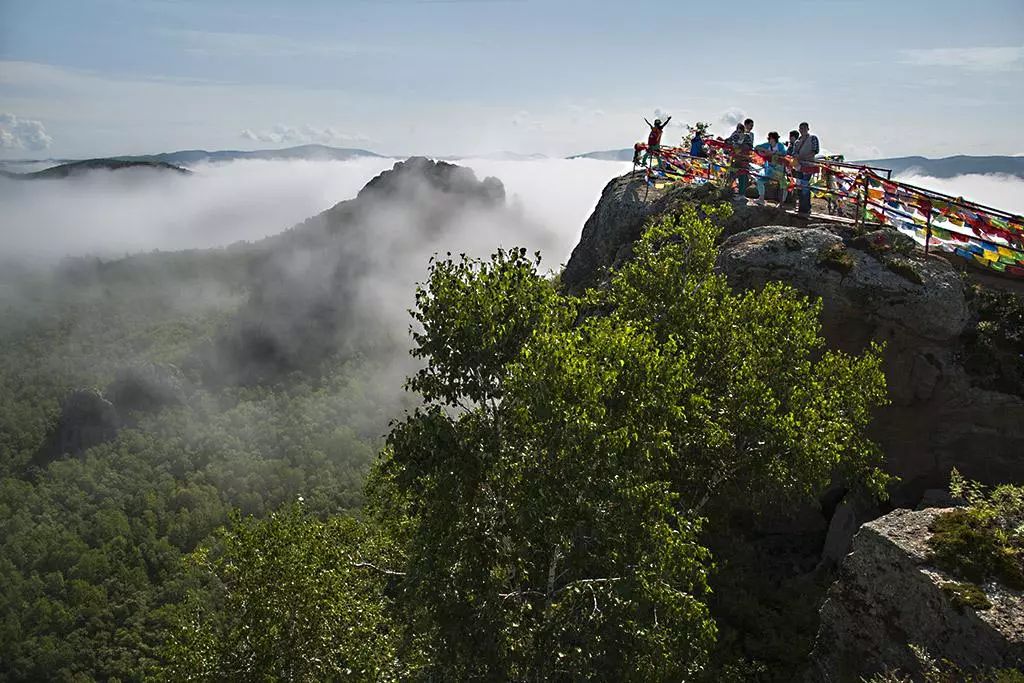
113 213
1004 192
303 135
732 116
676 122
854 151
525 120
24 134
969 58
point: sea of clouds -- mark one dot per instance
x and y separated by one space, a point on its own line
1004 192
112 214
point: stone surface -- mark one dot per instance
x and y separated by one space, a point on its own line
846 520
626 205
937 419
870 291
887 596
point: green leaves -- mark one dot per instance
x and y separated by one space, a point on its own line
298 599
552 519
540 515
475 317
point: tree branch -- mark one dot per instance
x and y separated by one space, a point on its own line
370 565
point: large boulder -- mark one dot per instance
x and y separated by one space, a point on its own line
853 283
625 207
937 419
888 596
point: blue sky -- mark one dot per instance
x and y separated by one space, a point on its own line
101 77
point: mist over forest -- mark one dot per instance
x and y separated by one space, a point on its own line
185 355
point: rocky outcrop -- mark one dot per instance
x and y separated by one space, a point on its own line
873 288
626 205
887 596
862 287
937 418
89 418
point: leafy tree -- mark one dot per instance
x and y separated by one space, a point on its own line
295 600
550 492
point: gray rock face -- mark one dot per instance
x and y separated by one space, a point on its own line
888 596
870 290
937 420
847 518
626 204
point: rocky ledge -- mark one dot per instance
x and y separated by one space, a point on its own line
888 595
874 288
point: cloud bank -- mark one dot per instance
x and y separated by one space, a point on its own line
1004 192
26 134
304 135
113 214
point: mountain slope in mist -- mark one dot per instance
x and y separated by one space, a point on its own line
340 281
607 155
312 321
79 168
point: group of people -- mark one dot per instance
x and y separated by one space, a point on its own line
801 151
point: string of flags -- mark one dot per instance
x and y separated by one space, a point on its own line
987 237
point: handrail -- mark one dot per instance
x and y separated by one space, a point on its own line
987 236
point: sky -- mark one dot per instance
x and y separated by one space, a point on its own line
86 78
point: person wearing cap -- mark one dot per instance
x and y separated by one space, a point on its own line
771 151
654 137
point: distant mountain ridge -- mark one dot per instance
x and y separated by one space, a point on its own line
607 155
949 167
188 157
75 168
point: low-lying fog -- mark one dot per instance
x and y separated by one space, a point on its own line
115 213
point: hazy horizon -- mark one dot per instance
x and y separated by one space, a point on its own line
113 78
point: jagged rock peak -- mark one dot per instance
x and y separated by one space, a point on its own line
438 175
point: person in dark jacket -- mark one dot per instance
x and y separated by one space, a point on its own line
794 135
697 145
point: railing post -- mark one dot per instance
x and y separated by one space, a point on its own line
862 201
927 231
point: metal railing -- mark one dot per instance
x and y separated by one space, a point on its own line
984 235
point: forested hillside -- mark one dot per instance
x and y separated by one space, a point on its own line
212 469
286 385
